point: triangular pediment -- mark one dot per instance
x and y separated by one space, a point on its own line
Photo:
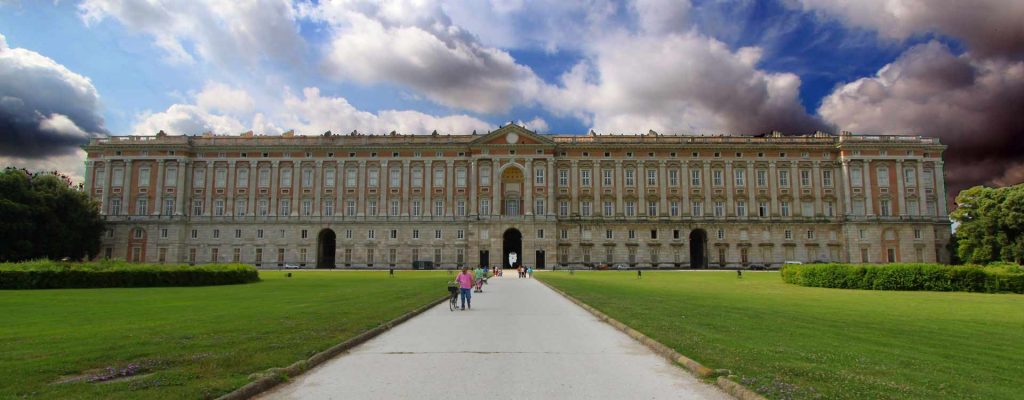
512 134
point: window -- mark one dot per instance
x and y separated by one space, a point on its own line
285 207
830 208
538 175
351 175
695 177
194 234
218 207
563 234
395 177
784 178
220 177
540 234
883 176
630 177
719 209
762 178
652 208
856 177
259 256
926 178
373 177
392 256
675 234
369 256
415 235
805 178
913 208
101 177
810 234
716 177
585 177
538 207
437 234
264 208
784 208
216 233
238 233
917 233
460 208
197 207
417 208
142 206
608 252
163 233
563 178
609 208
439 207
485 206
720 234
673 208
117 180
485 176
563 208
762 209
307 207
264 177
329 208
741 208
460 177
884 208
329 177
302 255
741 177
437 256
286 177
652 177
631 234
350 207
138 233
170 177
144 176
438 177
630 208
826 178
371 234
654 234
606 177
697 208
192 255
609 234
241 178
396 207
393 234
460 234
585 208
807 209
417 177
371 208
673 177
632 255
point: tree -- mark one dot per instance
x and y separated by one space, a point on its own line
45 216
991 224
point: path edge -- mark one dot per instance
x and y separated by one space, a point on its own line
729 386
275 376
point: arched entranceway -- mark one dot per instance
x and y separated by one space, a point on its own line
698 249
325 245
512 241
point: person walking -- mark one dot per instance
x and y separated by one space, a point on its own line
465 280
529 272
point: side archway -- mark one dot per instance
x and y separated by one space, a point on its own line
698 248
325 246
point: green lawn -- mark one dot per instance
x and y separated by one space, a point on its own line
788 341
194 342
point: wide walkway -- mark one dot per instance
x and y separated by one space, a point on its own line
521 340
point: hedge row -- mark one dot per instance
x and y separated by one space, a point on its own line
47 274
934 277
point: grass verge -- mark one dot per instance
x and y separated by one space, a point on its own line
194 342
786 341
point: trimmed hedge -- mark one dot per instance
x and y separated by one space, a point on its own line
933 277
45 274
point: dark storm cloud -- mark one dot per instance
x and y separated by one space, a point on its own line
45 109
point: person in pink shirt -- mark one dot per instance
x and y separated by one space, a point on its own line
465 280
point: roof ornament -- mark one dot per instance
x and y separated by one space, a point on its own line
652 132
161 133
434 133
326 134
592 133
291 133
393 133
474 132
354 133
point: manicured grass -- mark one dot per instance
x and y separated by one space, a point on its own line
191 342
788 341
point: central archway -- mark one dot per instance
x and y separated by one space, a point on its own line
325 246
512 240
698 249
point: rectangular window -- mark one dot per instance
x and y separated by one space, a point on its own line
286 177
220 177
805 178
371 208
144 176
197 207
585 208
741 177
329 177
417 177
396 207
609 234
741 208
609 208
371 234
762 178
101 178
242 178
784 208
329 208
218 207
563 178
538 175
438 177
762 209
883 176
788 234
171 176
630 208
909 177
351 175
885 208
286 207
585 177
630 177
369 257
417 208
437 234
460 208
307 178
142 206
807 209
485 206
652 177
697 208
460 177
913 208
350 208
259 256
238 233
606 177
784 178
263 207
652 208
826 178
395 177
856 177
259 234
563 208
460 234
673 208
926 178
631 234
719 209
695 177
117 179
439 207
673 177
373 179
540 234
539 207
716 177
264 177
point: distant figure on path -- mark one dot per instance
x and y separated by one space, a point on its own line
465 280
529 272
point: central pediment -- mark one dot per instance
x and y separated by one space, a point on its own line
512 134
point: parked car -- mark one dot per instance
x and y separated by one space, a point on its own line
620 267
291 266
793 262
758 267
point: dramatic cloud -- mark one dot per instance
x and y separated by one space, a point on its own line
223 98
45 109
226 32
416 45
679 83
989 27
186 119
973 105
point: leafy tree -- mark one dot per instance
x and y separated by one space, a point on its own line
44 215
991 224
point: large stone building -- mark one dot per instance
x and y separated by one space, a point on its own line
649 200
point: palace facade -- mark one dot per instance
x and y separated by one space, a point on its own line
649 200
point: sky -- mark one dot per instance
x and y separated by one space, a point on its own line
75 70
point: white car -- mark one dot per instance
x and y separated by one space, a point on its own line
292 266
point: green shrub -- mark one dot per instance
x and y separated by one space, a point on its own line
46 274
932 277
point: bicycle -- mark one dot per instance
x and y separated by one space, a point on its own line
453 302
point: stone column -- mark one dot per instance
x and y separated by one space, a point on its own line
663 183
253 187
275 172
940 189
817 188
158 194
317 188
449 185
901 184
527 188
730 187
707 187
184 169
848 201
428 180
472 177
869 183
126 188
361 188
574 185
406 176
619 183
773 189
